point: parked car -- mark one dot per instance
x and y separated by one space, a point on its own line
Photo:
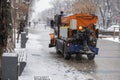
113 28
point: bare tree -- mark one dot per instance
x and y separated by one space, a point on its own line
84 6
117 3
62 5
57 6
116 11
104 12
67 6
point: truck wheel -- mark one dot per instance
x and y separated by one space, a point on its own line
67 56
58 52
91 56
78 56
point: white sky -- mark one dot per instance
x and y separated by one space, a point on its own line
39 6
42 5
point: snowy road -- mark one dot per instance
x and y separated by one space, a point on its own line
43 61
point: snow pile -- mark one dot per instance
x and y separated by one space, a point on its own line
113 39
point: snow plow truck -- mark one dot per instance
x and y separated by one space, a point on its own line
75 34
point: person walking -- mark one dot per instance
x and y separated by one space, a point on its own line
52 23
20 29
29 24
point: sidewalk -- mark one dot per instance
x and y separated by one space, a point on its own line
42 61
33 50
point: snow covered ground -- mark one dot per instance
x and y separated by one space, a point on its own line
116 39
113 28
40 59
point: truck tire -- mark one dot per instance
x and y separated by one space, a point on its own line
91 56
67 56
58 52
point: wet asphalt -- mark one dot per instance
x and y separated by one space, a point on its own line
105 66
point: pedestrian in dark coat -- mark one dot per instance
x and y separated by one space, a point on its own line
52 23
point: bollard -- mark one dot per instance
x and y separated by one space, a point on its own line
9 66
23 39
